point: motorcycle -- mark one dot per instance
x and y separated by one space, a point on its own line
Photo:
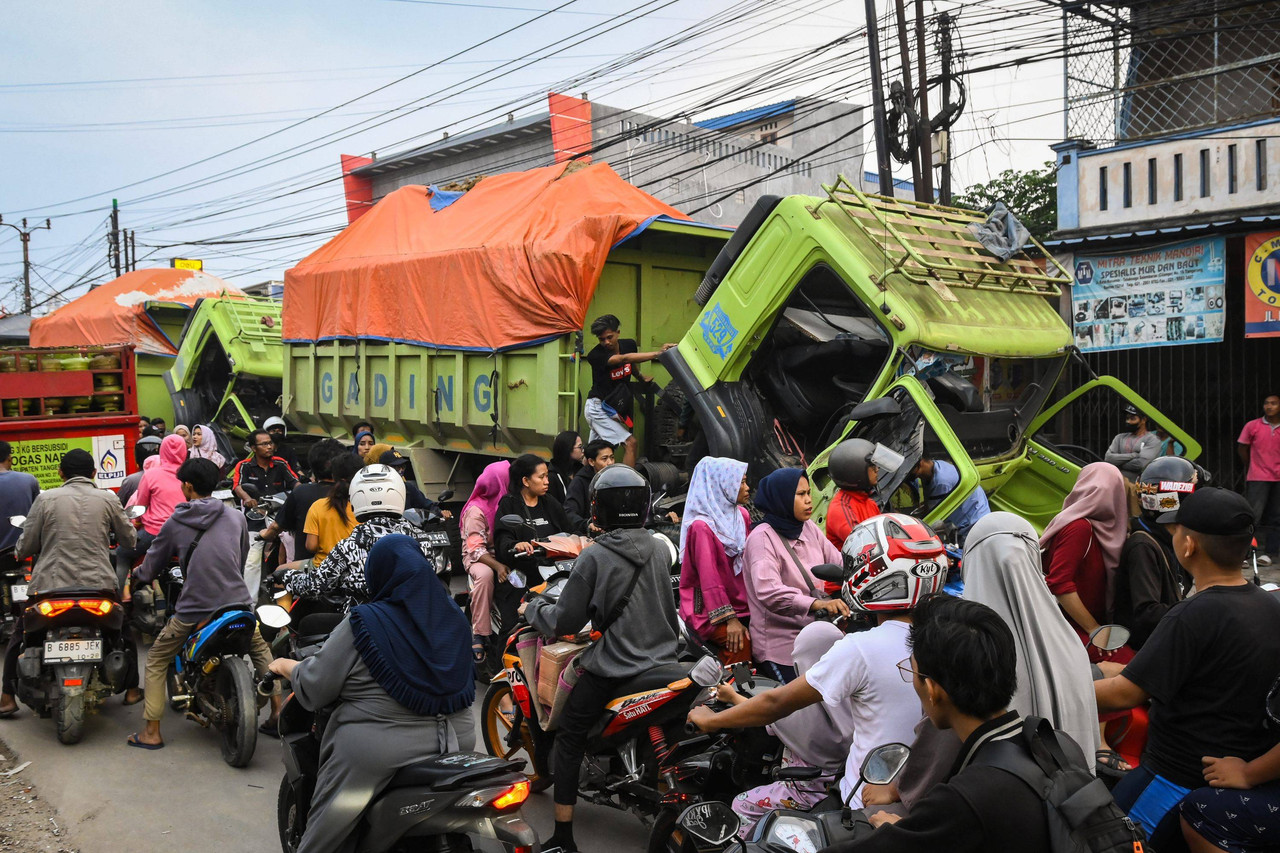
14 577
211 682
73 654
633 749
435 804
713 826
431 522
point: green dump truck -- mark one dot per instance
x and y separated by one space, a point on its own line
229 365
822 317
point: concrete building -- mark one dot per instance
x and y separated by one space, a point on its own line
712 169
1169 213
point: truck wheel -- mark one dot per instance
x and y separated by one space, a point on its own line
289 817
239 729
68 714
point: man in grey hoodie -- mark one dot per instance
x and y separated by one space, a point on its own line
622 585
213 578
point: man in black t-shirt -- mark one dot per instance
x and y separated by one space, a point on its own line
1206 667
293 515
613 362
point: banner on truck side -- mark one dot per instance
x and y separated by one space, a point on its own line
1262 285
1163 296
41 457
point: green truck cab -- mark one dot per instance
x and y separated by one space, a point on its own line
229 365
856 315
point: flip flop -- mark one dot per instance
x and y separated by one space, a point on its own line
141 696
133 741
1109 761
9 714
270 728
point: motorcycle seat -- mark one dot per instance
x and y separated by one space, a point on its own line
74 592
319 624
659 676
224 609
454 769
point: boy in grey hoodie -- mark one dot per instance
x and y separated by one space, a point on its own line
635 639
213 578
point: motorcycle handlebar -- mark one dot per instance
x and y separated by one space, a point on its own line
267 684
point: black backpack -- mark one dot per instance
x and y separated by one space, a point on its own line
1083 817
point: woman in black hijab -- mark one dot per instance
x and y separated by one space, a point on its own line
401 666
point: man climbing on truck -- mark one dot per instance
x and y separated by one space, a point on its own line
609 403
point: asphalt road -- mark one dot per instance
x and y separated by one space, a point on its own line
115 798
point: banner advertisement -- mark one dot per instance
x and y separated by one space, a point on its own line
41 457
1172 294
1262 285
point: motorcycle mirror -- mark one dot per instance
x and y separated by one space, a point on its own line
444 496
706 672
222 494
414 517
17 520
829 572
1109 637
273 616
713 823
882 764
511 522
135 511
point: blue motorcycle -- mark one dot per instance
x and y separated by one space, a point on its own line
212 683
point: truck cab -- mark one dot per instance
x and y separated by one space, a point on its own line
230 365
857 315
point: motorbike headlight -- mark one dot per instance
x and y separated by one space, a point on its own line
794 833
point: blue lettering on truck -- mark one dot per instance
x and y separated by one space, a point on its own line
444 393
326 387
412 385
353 390
482 393
379 389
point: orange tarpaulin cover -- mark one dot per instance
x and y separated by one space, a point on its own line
115 313
514 260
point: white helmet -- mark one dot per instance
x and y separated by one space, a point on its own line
377 489
891 561
275 420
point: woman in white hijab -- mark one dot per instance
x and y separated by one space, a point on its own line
1002 570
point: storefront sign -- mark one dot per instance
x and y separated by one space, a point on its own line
41 457
1262 285
1166 295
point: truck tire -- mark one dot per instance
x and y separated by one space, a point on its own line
68 714
239 730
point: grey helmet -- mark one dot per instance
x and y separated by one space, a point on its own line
850 463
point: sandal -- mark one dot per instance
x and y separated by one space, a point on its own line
478 653
134 741
1111 763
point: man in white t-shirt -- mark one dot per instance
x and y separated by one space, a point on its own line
884 579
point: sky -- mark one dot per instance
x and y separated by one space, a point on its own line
223 122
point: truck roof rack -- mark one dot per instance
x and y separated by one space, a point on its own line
929 244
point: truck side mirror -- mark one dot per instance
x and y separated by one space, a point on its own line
878 408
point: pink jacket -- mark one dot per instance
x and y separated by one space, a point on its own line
159 490
710 593
778 595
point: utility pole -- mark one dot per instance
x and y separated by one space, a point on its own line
113 253
24 233
133 250
904 51
944 51
883 165
923 128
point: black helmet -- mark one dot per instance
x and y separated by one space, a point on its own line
144 448
849 463
619 498
1163 484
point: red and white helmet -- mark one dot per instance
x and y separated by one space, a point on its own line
891 561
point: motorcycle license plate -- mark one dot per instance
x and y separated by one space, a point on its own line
18 592
67 651
436 539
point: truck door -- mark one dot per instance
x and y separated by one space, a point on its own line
916 431
1070 434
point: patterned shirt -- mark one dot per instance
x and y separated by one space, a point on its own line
341 574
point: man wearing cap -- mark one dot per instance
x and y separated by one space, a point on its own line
1206 668
1134 447
69 532
414 498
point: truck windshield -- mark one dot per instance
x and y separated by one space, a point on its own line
260 395
987 401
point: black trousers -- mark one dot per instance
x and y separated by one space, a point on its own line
582 710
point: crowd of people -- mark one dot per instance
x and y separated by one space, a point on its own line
950 676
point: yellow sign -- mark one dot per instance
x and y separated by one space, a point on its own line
186 263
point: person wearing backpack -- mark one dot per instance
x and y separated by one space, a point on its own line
962 667
622 585
1206 668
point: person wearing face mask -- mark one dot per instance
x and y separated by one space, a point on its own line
1134 447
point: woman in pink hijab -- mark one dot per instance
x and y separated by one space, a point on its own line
160 492
1081 549
479 515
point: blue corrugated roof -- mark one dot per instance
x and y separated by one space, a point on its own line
898 183
747 116
1174 230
